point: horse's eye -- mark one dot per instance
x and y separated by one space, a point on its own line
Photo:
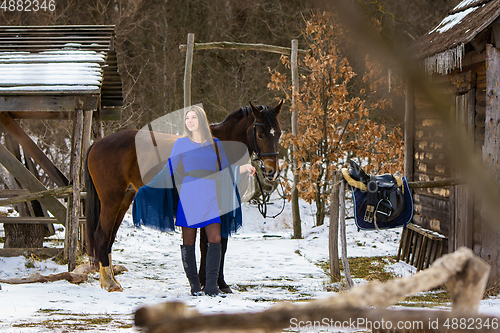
261 136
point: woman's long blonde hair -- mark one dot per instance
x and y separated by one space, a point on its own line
202 124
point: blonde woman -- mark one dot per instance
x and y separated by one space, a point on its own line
201 156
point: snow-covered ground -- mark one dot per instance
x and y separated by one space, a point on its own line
263 266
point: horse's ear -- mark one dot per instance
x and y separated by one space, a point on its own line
277 109
256 112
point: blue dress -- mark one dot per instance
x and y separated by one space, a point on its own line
198 206
191 200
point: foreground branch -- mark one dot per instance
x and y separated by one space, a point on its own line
466 273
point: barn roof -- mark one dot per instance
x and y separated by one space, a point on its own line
60 60
443 46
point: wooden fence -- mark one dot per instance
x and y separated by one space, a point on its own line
26 196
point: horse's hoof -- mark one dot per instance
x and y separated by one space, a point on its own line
107 280
226 290
115 288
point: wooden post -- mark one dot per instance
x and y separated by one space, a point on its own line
489 238
86 141
188 69
99 131
297 223
343 237
333 230
87 133
72 224
409 129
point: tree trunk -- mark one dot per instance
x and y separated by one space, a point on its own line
24 235
320 210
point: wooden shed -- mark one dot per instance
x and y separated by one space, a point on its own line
56 72
461 56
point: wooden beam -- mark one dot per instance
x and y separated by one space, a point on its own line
472 58
343 237
409 129
87 137
243 46
29 182
32 149
188 69
74 209
496 34
50 115
436 183
30 220
47 101
36 195
489 238
333 229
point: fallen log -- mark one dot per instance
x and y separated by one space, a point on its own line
77 276
465 273
39 278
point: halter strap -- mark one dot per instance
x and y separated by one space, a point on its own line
256 146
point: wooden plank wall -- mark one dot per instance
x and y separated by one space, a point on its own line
433 151
431 162
479 142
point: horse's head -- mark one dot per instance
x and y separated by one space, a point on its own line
264 137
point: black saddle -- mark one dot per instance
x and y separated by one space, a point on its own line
384 199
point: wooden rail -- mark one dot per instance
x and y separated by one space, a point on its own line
36 195
34 220
436 183
243 46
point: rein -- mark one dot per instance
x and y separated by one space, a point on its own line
262 206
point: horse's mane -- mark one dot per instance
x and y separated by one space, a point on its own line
270 117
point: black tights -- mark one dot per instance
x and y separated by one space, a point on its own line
213 234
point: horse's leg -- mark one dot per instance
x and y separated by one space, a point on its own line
110 207
129 197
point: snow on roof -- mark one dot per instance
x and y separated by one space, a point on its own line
466 3
450 21
443 47
60 70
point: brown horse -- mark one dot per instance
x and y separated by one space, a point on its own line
112 166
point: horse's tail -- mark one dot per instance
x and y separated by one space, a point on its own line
92 212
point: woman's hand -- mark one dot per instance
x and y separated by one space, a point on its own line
247 168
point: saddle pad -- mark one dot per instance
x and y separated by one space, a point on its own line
402 220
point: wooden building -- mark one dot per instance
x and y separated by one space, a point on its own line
56 72
461 57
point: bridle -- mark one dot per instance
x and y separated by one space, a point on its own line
256 146
265 196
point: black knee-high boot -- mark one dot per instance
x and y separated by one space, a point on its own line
189 263
213 264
